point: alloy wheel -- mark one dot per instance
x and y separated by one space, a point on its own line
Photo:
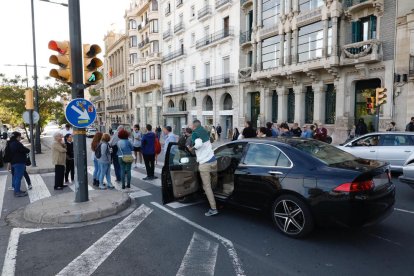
289 217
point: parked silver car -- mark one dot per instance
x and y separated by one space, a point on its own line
408 171
392 147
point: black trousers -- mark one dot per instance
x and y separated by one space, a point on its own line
70 168
59 175
149 164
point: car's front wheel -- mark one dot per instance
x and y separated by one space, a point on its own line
292 216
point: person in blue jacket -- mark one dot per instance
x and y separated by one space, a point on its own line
148 152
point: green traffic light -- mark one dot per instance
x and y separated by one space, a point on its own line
92 78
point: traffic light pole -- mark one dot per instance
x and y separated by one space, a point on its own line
77 92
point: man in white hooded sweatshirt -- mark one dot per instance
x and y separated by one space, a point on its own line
207 163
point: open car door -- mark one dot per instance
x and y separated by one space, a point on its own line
179 174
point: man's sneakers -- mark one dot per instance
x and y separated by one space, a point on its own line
29 187
20 194
211 212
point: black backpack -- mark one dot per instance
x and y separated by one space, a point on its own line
7 154
98 152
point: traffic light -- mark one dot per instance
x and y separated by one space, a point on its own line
370 105
28 94
91 63
380 96
62 60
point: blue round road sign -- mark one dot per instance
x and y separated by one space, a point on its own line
80 113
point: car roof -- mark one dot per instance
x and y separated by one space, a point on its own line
281 141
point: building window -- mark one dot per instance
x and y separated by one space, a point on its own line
249 58
270 52
193 102
159 71
155 45
330 104
154 26
132 79
310 42
208 104
133 58
275 106
270 12
309 98
133 41
227 102
307 5
193 73
192 11
144 75
152 72
154 6
181 76
132 24
291 106
171 104
193 40
183 105
364 29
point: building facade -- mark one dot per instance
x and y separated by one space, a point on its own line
99 100
118 99
144 61
200 48
320 61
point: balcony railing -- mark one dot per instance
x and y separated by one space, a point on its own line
350 3
100 110
245 37
179 27
411 69
174 88
363 51
173 55
215 81
220 3
122 107
209 39
204 12
179 3
167 34
143 43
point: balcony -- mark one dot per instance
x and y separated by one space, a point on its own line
174 111
178 28
175 89
143 43
100 110
309 17
215 82
97 99
353 8
213 38
246 38
167 11
173 55
180 3
411 68
167 34
147 85
244 4
204 13
222 4
115 108
368 51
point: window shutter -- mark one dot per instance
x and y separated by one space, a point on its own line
373 27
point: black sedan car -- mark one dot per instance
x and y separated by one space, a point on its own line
301 182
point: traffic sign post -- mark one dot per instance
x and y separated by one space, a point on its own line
80 113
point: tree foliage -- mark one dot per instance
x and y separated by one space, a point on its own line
12 101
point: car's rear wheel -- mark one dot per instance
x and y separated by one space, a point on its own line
292 216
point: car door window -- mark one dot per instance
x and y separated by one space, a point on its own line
372 140
234 150
283 161
397 140
261 155
177 154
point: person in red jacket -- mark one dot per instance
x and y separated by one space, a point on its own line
321 133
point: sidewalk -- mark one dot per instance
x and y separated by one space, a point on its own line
43 160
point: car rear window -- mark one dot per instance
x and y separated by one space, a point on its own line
326 153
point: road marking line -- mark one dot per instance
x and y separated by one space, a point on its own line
39 189
140 193
9 265
237 265
177 205
140 176
97 253
3 184
404 211
72 186
200 258
385 239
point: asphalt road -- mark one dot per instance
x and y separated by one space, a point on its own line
179 240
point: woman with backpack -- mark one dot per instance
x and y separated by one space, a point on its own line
103 156
95 142
125 158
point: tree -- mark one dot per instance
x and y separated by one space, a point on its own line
12 101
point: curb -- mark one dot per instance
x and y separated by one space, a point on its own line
40 170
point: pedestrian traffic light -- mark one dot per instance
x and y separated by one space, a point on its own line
62 60
28 94
370 105
91 64
380 96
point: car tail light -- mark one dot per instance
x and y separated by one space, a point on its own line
356 186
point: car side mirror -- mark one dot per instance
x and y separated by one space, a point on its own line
184 160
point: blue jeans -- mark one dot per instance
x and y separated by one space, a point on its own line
18 172
104 171
96 170
125 169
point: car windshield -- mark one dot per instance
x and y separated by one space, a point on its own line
326 153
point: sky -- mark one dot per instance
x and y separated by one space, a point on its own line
51 22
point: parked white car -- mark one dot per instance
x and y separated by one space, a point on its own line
392 147
408 171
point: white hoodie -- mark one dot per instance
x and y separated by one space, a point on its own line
204 151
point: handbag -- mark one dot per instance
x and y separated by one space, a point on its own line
126 158
28 161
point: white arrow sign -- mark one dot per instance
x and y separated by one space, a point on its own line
83 114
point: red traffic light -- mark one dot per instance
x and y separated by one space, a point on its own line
61 47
